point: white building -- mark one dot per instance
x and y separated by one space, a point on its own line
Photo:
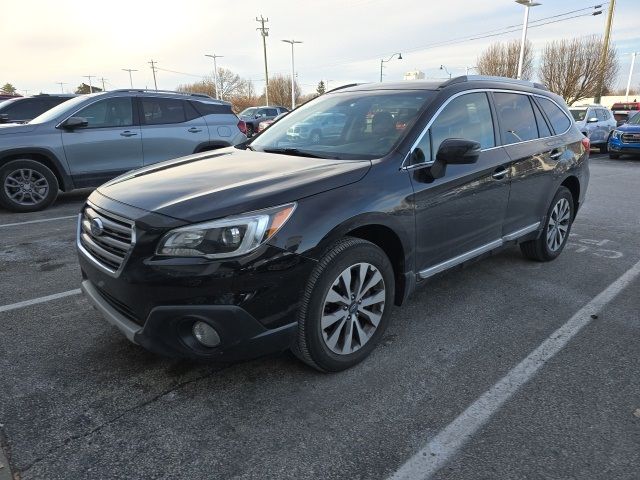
414 75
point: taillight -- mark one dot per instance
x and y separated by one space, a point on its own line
586 143
242 126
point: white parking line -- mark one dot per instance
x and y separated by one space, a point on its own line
439 450
26 303
37 221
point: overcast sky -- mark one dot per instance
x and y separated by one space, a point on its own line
44 42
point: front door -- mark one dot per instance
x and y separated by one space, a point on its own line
463 211
109 145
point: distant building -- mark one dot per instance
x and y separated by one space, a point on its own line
414 75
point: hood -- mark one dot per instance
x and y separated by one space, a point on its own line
230 181
629 128
8 128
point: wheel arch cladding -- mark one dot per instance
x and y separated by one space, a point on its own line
573 184
386 239
43 158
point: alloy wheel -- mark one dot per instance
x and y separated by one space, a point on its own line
353 308
26 186
558 224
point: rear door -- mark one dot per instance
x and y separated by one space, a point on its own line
464 210
171 128
528 141
108 146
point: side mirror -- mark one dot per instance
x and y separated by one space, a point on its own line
458 151
74 122
592 119
4 118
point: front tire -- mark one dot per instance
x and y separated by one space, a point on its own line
614 156
345 307
555 234
27 186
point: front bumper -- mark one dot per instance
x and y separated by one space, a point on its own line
618 146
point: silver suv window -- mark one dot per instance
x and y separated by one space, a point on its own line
158 111
110 112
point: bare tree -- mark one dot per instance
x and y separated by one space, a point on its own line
280 91
234 89
570 67
501 60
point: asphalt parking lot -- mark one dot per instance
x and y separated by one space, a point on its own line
77 401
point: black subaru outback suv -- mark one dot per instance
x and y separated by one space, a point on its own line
282 243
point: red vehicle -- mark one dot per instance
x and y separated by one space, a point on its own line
623 111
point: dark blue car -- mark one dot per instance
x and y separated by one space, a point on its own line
626 138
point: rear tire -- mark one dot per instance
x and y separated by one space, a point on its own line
549 245
345 306
27 186
604 148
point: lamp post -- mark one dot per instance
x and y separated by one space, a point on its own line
215 73
442 67
293 73
382 62
633 61
527 5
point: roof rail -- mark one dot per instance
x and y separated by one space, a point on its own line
343 86
148 90
489 78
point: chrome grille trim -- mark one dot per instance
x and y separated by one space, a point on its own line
630 137
110 250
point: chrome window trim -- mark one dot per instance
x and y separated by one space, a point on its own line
479 90
457 260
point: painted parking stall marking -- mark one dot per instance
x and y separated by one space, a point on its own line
35 301
28 222
439 450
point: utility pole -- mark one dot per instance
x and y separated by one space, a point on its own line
633 61
215 74
90 84
293 74
605 52
62 84
102 79
130 77
153 69
265 33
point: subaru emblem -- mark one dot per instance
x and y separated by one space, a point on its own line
97 228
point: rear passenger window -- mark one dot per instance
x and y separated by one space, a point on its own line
467 116
559 121
517 120
157 111
543 128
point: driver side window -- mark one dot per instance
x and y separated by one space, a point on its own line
111 112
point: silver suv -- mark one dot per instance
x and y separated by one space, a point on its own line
596 123
94 138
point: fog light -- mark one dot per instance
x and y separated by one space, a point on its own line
206 334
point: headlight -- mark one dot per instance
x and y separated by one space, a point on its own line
616 134
227 237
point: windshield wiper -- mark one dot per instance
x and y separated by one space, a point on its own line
296 152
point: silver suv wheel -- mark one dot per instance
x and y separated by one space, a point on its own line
25 186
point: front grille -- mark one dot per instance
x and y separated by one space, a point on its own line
631 137
105 237
119 306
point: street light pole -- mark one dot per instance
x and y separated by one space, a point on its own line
442 67
130 77
293 73
633 61
382 62
527 5
215 74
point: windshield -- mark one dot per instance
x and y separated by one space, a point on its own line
60 109
635 120
578 115
346 125
248 112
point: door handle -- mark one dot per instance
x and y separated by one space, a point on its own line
555 154
194 130
499 173
128 133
